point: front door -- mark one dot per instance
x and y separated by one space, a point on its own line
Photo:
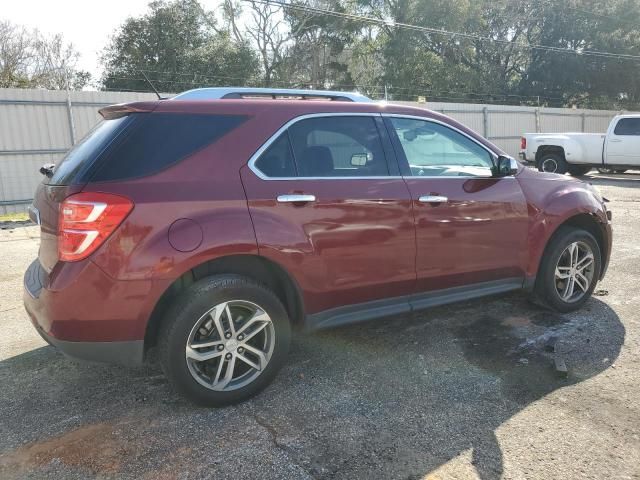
623 143
471 228
328 206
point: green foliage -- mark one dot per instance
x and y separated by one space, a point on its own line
179 47
492 59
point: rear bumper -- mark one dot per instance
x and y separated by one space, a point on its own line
86 314
123 353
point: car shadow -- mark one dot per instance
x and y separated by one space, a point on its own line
630 179
396 398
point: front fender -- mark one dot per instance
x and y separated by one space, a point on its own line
552 200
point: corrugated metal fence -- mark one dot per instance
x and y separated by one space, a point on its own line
39 126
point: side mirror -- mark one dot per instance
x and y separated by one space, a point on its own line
505 167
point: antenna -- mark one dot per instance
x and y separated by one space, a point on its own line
151 85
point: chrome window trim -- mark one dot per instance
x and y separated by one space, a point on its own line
274 137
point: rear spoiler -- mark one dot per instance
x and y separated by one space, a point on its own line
124 109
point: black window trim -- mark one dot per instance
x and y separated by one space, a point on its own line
254 158
402 159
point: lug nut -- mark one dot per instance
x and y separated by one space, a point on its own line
227 335
240 349
240 337
228 356
220 347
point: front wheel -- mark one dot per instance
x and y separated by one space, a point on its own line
569 270
552 163
224 340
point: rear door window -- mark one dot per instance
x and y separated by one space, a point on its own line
277 161
340 146
159 140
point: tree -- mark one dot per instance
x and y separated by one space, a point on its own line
266 30
29 59
179 46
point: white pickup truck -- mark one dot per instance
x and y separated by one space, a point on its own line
577 153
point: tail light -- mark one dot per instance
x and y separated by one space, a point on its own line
523 143
86 220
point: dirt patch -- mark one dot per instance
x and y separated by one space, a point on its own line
94 447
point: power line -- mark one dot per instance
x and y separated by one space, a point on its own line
436 31
400 90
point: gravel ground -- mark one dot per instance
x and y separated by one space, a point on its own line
464 391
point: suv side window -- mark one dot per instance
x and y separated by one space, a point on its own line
277 160
339 146
433 150
156 141
628 126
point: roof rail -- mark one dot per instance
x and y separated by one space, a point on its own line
216 93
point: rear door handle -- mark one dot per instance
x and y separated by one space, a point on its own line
615 140
296 198
433 199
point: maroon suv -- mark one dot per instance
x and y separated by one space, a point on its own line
209 225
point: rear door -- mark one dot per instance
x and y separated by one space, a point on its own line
328 204
470 228
623 142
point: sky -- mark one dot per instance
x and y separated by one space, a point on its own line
85 23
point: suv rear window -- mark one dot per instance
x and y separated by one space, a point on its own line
86 151
159 140
140 144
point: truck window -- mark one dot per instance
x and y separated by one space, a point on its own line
628 126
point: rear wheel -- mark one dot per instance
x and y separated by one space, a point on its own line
579 170
569 270
224 340
552 163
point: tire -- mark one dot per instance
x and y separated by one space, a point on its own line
622 170
191 321
552 163
578 170
549 288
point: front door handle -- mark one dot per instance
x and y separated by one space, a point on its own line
433 199
296 198
615 140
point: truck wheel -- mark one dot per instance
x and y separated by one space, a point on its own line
223 340
552 163
569 270
621 170
579 170
611 170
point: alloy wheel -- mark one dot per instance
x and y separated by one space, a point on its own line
550 165
574 272
230 345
